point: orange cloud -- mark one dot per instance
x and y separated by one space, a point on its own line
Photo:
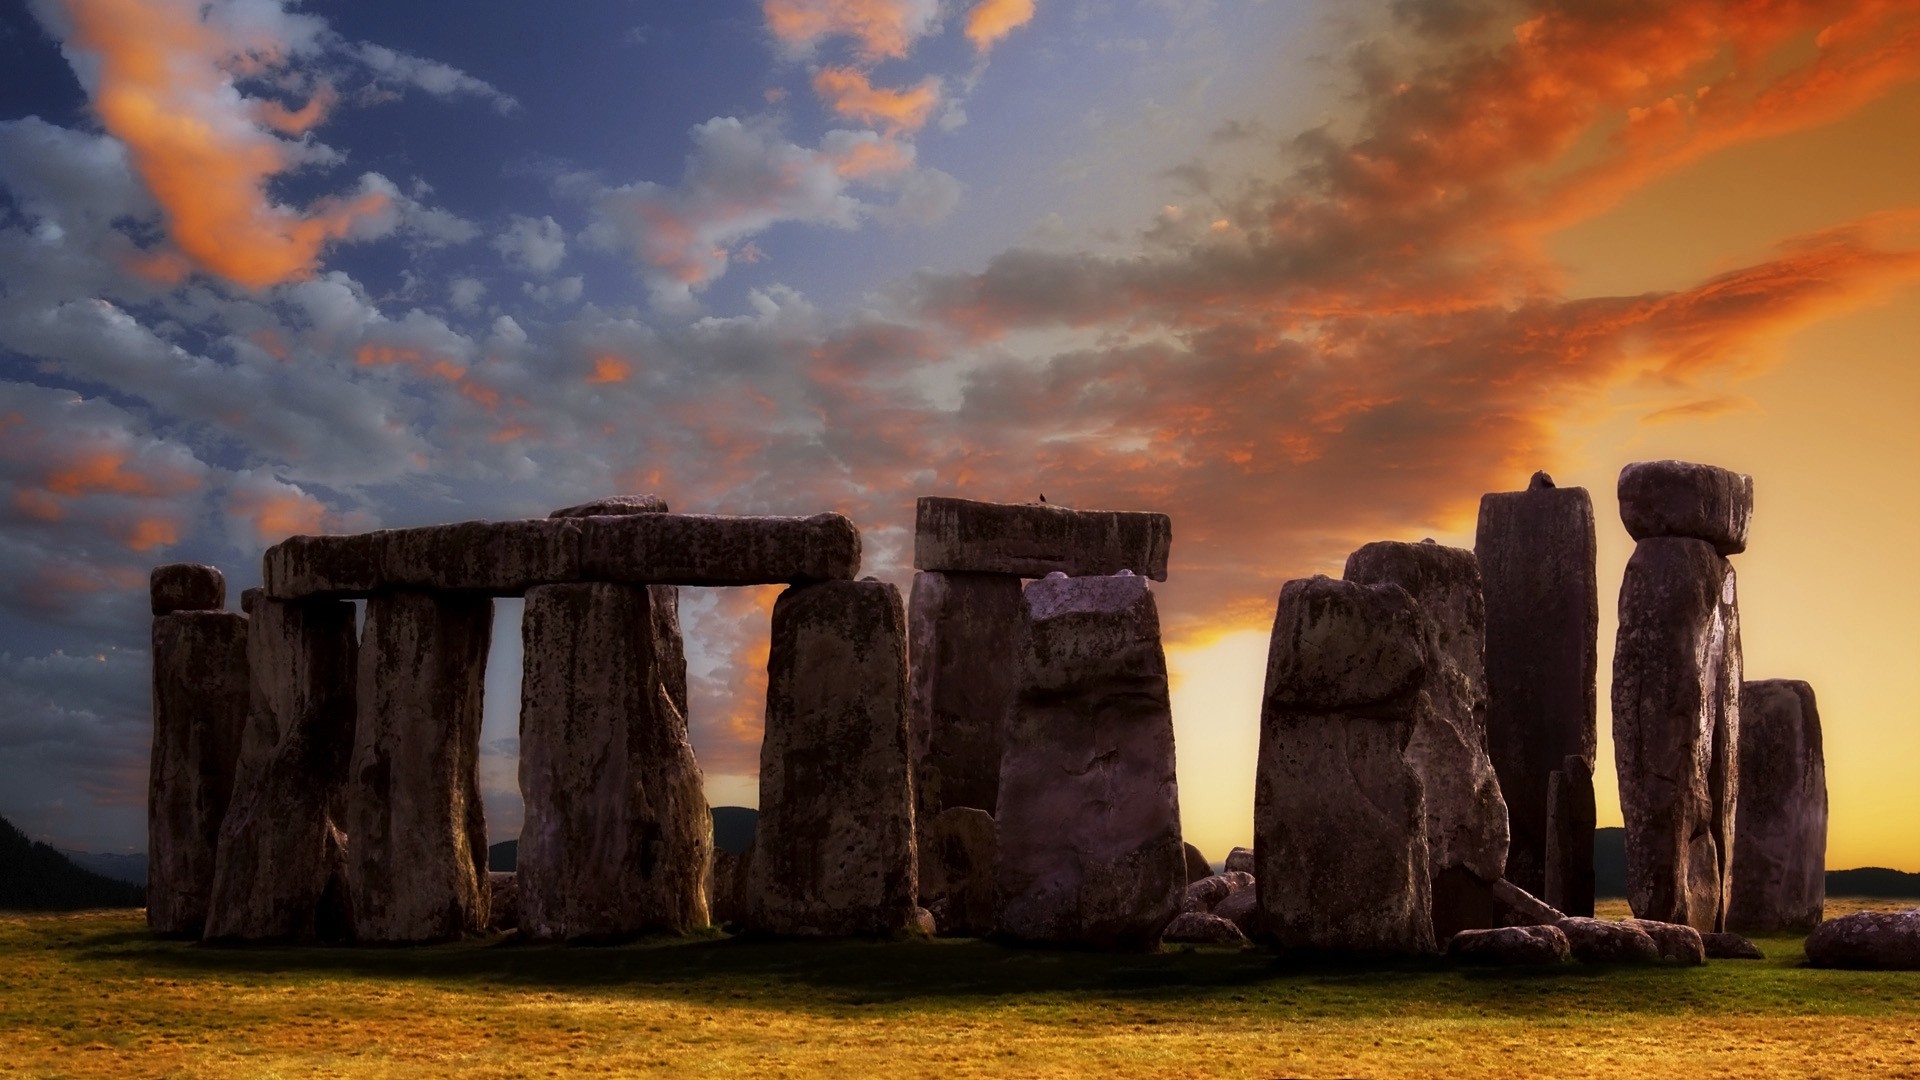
298 121
164 90
608 368
98 472
38 505
145 534
277 511
883 29
848 92
991 20
875 155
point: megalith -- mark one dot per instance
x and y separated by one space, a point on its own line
1340 832
617 836
1089 821
1780 833
199 712
417 837
834 848
1570 825
962 631
957 857
1466 816
1676 723
277 844
1535 549
671 652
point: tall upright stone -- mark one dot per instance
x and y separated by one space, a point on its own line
280 840
671 653
1536 554
834 847
1089 819
1780 838
1340 821
1676 688
1570 825
1466 816
199 713
963 630
617 836
417 837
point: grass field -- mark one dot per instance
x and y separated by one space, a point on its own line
94 995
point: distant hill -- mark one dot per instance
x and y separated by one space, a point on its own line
1610 873
131 869
733 828
35 877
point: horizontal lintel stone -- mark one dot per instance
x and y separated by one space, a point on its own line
506 558
1036 539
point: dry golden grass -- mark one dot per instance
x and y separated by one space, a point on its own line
94 995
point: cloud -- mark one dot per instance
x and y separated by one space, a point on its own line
991 20
850 93
536 244
880 29
438 79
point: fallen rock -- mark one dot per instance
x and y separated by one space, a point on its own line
1680 498
1089 820
1209 891
200 701
923 924
187 587
503 901
1597 941
1240 859
962 633
1339 813
1197 866
958 850
1676 723
1032 540
1241 907
1780 834
1677 941
1867 939
1725 946
1535 549
1521 907
1200 928
1515 945
834 851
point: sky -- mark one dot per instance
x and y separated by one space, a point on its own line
1302 275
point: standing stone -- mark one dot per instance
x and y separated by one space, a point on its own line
417 836
1536 554
1340 837
671 648
274 858
186 587
963 629
834 849
1089 821
1466 816
199 712
1676 722
1197 865
957 854
1570 825
617 835
1780 846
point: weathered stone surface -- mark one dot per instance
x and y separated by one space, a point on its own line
1515 945
1536 554
1197 866
727 886
1867 939
1677 941
1241 908
1201 928
187 587
1780 834
1725 946
1207 893
1676 723
1466 816
834 851
1090 849
505 558
1241 859
614 506
1033 540
1519 907
1339 814
199 712
417 855
249 598
1595 941
963 629
958 851
617 834
1680 498
1570 825
503 901
276 843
